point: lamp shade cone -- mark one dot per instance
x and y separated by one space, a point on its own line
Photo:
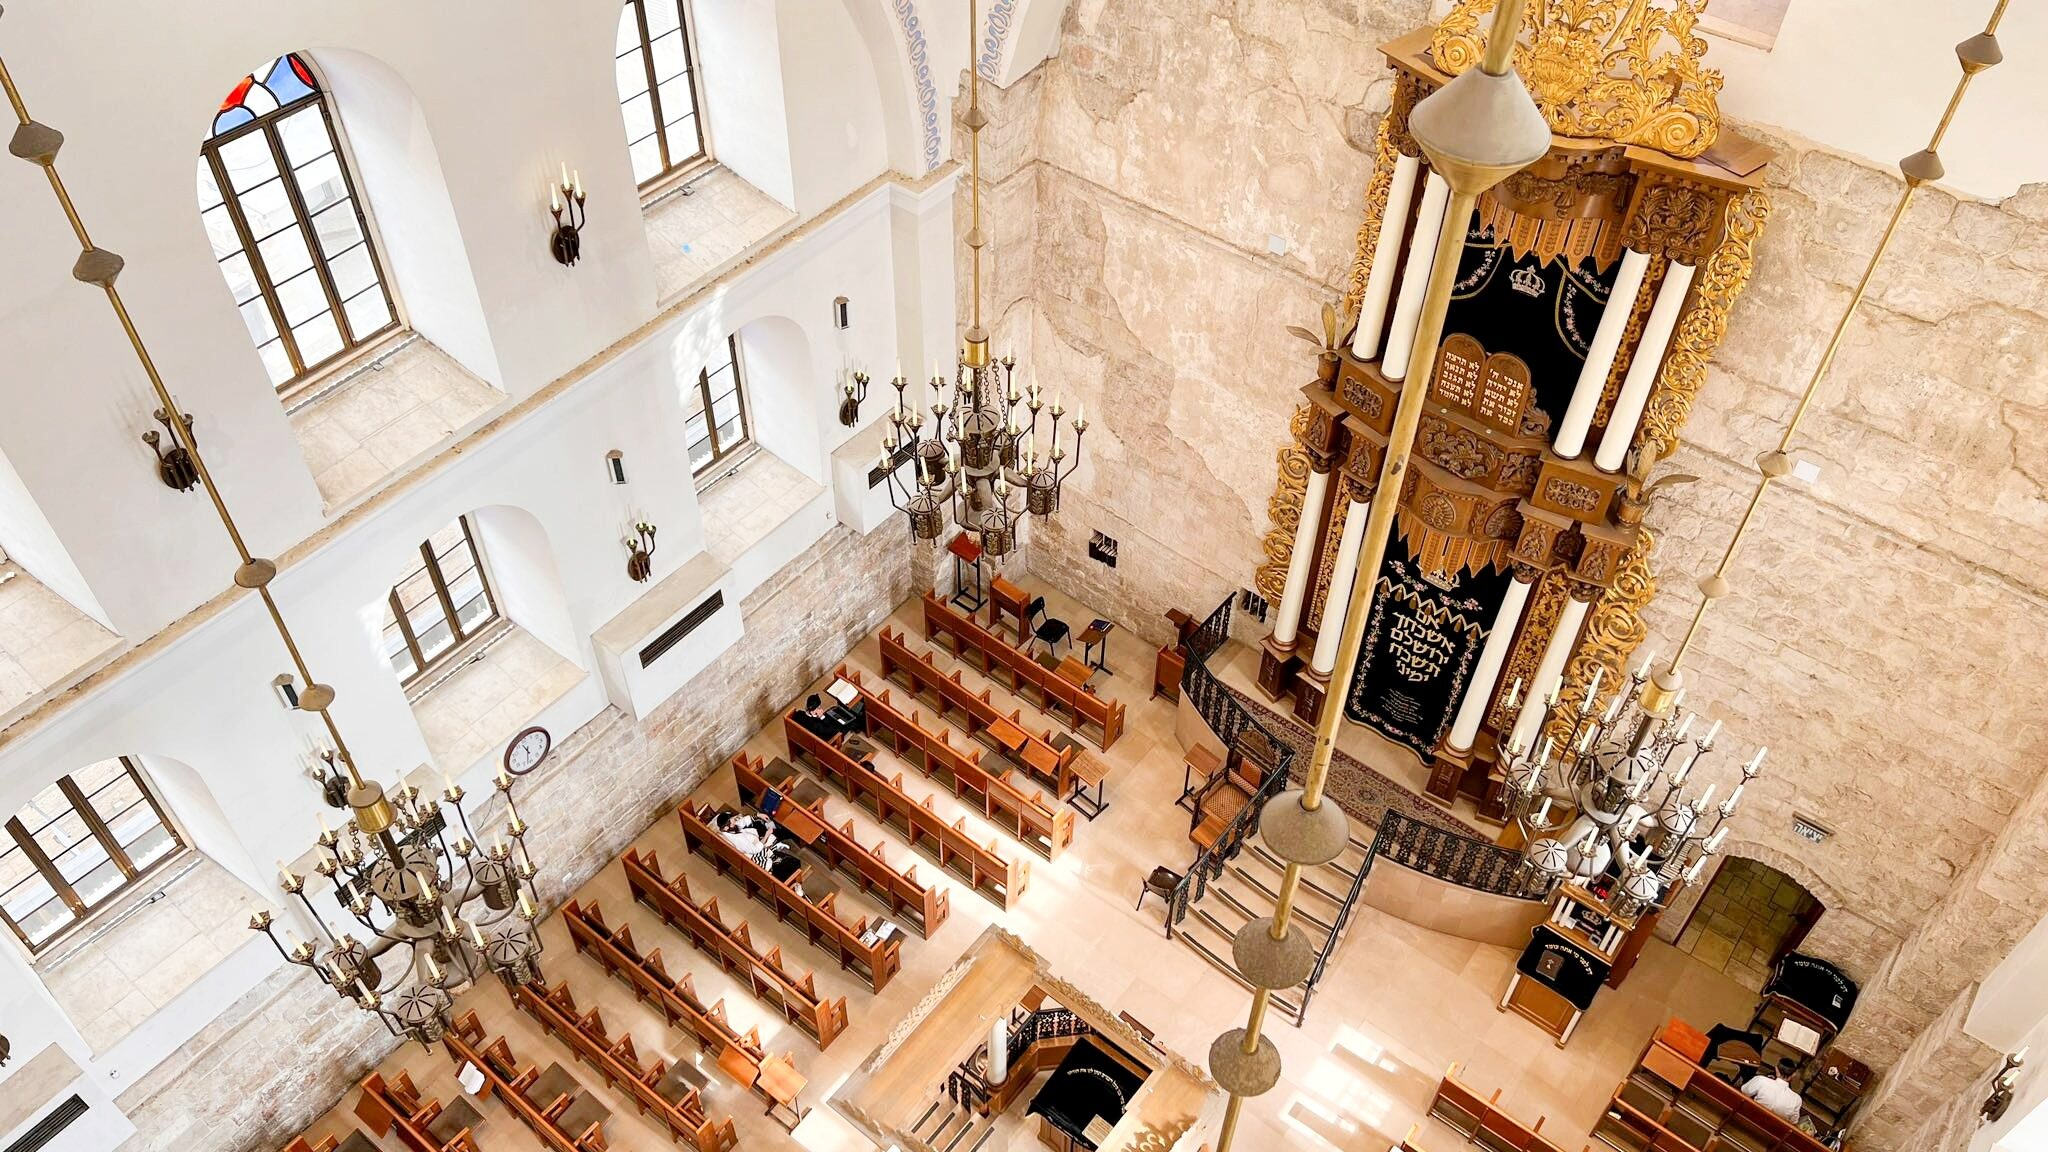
1480 128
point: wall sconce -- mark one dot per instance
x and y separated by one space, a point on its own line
287 690
565 204
174 464
842 313
640 553
853 392
615 466
2001 1088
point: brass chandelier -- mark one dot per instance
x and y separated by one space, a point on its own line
977 452
393 867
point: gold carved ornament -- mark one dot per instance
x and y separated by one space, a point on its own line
1284 509
1319 584
1701 329
1621 70
1614 629
1539 620
1376 192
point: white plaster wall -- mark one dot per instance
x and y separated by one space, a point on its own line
27 539
746 125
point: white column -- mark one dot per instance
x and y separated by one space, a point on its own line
1642 370
1429 221
1302 559
999 1051
1338 602
1386 249
1472 710
1621 303
1548 671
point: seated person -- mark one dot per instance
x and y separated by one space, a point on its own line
755 837
1771 1088
817 717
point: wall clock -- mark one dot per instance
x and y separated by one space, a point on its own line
527 750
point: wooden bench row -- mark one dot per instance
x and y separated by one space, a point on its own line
796 993
654 1089
1055 693
982 867
548 1116
1052 764
849 942
1046 827
396 1105
923 907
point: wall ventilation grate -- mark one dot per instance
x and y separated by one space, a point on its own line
48 1128
675 632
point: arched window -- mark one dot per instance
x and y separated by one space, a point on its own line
657 88
287 226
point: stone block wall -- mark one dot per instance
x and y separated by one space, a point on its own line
244 1083
1198 178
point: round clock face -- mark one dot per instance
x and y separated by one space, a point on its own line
527 750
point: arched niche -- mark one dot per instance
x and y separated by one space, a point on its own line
28 540
522 567
784 385
1677 916
203 820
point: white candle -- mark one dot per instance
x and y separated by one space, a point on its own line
1543 811
1643 669
578 179
1684 724
1693 873
1756 762
565 175
1713 730
1714 841
1515 693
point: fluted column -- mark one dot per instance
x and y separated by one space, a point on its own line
1486 674
1643 369
1324 659
1549 670
1429 223
1301 562
1621 304
1386 251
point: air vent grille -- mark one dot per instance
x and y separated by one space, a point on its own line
674 633
48 1128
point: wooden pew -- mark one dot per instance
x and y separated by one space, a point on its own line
680 1109
299 1144
557 1120
396 1104
922 906
982 867
648 977
1050 764
1058 695
1046 827
796 993
875 962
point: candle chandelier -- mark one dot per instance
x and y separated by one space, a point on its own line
436 912
1602 795
393 867
977 451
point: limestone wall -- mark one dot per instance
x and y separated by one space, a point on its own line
1887 628
241 1083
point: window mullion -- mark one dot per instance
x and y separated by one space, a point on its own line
290 177
412 642
476 560
441 591
739 382
257 268
355 202
82 804
684 20
653 88
142 786
51 876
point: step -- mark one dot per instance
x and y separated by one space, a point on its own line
1289 1006
1317 928
922 1120
958 1142
1328 880
1271 892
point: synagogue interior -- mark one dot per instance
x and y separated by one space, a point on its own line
997 575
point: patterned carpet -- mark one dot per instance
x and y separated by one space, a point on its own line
1359 790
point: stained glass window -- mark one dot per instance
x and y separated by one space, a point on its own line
657 80
286 225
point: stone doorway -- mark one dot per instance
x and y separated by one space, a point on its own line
1750 916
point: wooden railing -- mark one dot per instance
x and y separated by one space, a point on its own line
796 993
739 1054
618 1061
396 1105
1046 827
922 906
505 1079
982 867
1048 763
871 960
1058 695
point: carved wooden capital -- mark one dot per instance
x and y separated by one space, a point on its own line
1674 220
1408 90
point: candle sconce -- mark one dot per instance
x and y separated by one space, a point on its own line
640 552
853 392
174 464
565 204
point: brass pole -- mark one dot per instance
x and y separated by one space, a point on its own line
1975 55
1386 496
254 573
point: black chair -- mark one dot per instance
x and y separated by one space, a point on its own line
1049 630
1160 883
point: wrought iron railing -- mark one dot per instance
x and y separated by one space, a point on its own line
1048 1024
1436 851
1232 722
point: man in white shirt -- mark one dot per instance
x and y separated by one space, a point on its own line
1770 1088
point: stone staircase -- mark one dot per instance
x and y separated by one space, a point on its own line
947 1126
1249 887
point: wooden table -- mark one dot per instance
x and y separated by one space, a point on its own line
966 551
1096 633
780 1082
1075 671
1200 762
1089 771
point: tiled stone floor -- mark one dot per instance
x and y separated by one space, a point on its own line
153 954
1399 1005
43 639
491 698
1746 912
695 236
385 416
742 508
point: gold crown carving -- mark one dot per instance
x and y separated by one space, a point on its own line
1621 70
